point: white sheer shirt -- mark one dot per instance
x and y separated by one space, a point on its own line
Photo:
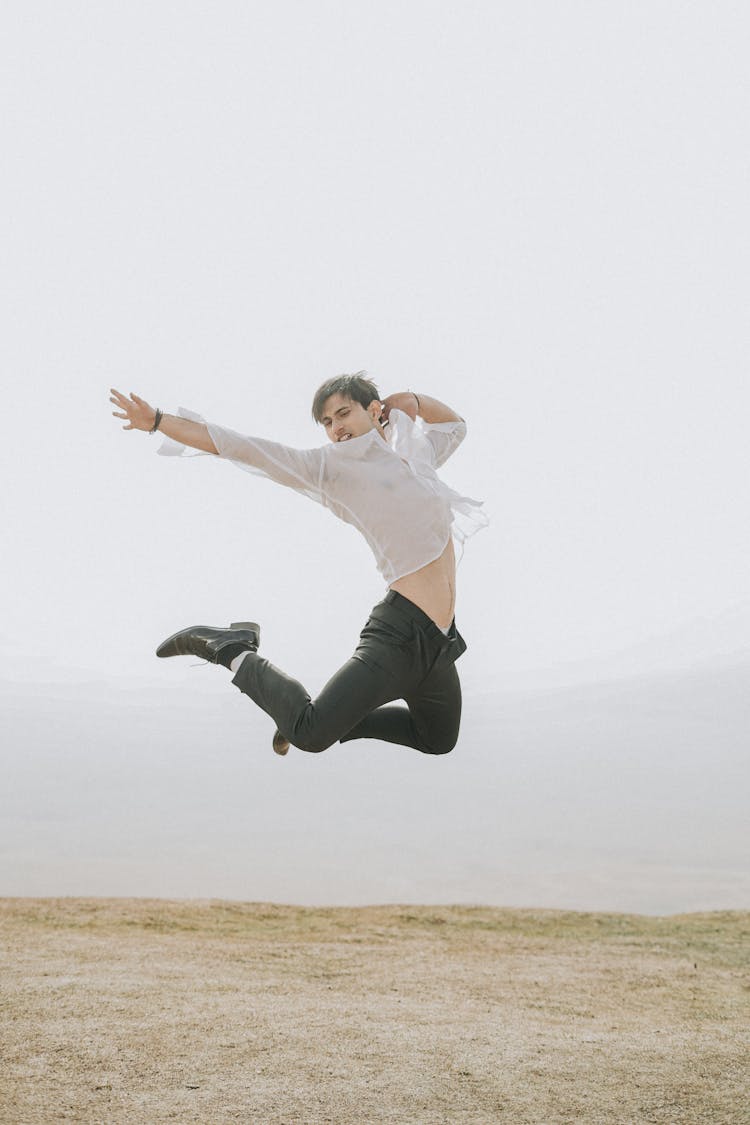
389 490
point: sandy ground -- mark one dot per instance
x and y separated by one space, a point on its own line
134 1010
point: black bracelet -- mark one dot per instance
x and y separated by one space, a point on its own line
157 421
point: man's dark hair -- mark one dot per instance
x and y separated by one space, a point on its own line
356 387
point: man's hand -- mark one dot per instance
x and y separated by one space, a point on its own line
406 401
139 414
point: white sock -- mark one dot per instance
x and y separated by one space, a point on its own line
234 667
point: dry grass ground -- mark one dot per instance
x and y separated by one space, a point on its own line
150 1011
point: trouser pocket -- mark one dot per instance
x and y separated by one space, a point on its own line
389 647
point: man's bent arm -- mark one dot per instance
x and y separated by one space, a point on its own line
434 414
432 410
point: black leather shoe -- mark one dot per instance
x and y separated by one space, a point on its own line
210 644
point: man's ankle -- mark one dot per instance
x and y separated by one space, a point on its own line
229 653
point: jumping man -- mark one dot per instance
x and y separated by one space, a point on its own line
379 474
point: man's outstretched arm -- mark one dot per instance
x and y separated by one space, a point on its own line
141 416
300 469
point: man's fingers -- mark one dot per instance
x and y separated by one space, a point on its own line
122 402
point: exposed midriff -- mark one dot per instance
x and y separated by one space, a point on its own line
433 587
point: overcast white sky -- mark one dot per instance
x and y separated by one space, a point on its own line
537 213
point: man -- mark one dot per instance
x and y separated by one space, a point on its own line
379 474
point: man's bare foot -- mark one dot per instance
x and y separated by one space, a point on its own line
280 744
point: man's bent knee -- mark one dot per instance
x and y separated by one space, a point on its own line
440 745
312 745
311 734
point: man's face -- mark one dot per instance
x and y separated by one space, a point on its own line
343 418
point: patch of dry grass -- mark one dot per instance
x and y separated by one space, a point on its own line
149 1011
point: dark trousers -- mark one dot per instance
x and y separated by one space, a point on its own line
401 654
